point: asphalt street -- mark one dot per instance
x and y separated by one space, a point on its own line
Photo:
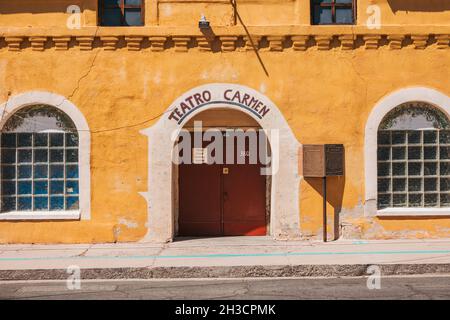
402 287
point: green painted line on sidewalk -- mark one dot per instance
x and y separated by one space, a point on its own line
231 255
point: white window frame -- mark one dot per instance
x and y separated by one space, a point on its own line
381 109
20 101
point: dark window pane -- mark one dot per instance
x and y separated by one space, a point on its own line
431 200
384 137
344 1
72 203
56 139
445 199
8 156
40 139
57 155
8 204
414 153
384 201
430 184
40 155
111 3
430 168
40 187
444 136
445 184
415 200
445 168
429 136
398 137
133 17
384 169
24 187
322 15
56 203
430 153
384 185
112 17
344 15
57 187
72 187
415 184
398 153
24 203
444 153
8 187
399 200
24 172
133 2
25 139
40 203
399 168
399 184
414 168
25 155
56 171
414 137
8 172
72 155
384 153
72 171
71 140
8 140
40 171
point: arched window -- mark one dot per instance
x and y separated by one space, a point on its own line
414 157
39 161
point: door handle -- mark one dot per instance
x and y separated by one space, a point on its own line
225 196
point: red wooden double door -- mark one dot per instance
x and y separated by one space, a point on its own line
222 199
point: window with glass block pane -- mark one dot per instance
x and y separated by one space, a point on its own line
414 158
333 11
39 161
121 12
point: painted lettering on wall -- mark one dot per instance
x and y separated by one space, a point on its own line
203 98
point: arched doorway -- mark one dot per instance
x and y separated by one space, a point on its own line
161 194
222 188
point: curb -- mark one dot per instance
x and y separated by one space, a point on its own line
228 272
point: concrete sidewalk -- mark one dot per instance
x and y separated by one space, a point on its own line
229 257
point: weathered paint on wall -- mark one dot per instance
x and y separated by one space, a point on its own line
325 96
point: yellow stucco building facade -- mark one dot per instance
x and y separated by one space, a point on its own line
332 83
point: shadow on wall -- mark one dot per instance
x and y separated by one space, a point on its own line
419 5
335 194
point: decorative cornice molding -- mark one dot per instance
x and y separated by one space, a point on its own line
227 43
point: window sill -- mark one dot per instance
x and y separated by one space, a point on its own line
413 212
41 215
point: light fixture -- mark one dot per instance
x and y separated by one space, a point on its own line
203 23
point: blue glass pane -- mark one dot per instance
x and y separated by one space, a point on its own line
72 203
57 187
72 171
56 171
72 155
344 1
8 140
57 155
24 187
25 139
40 139
344 16
40 171
71 140
72 187
41 203
8 155
25 156
56 203
24 204
110 3
8 204
133 2
40 155
8 172
133 17
24 172
40 187
56 139
112 17
322 15
8 187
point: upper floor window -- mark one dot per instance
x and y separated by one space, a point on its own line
333 11
39 161
414 157
121 12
